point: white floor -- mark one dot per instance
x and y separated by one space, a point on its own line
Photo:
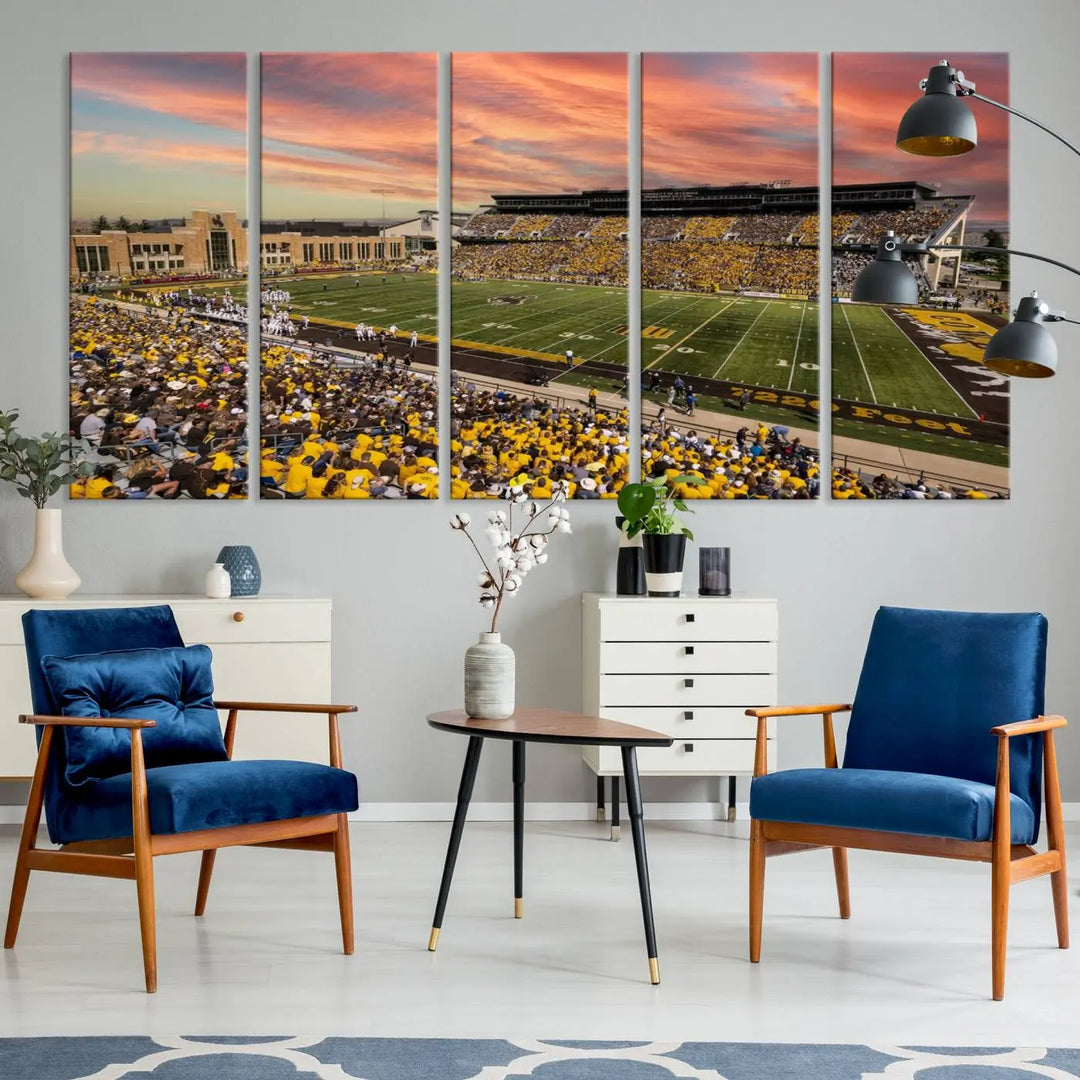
912 966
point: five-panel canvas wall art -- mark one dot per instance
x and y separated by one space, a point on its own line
547 233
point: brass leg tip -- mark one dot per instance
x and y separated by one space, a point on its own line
433 940
519 907
616 832
654 971
601 814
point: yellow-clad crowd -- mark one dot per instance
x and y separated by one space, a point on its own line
500 441
756 463
331 430
848 483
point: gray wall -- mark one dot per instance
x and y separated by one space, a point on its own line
401 582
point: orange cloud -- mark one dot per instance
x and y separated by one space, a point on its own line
871 92
537 122
724 118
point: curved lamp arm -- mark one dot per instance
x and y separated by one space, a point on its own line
933 250
1016 112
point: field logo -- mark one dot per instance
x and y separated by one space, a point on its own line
510 301
657 332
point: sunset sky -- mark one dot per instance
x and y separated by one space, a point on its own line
871 92
158 134
337 126
543 122
725 118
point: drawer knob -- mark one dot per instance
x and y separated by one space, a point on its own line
688 715
688 748
689 650
688 683
690 616
238 616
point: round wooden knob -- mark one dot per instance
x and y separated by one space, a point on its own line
238 616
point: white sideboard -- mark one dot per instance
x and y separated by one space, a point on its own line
687 666
266 648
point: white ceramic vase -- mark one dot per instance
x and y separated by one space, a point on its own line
218 582
489 678
48 575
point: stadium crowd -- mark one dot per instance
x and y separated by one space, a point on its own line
160 398
848 483
364 428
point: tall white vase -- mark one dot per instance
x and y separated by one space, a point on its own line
48 575
489 678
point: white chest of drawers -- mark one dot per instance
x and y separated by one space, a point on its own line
266 648
686 666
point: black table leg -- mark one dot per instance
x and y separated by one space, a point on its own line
465 789
519 826
599 798
616 831
637 828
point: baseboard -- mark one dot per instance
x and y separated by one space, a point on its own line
540 811
551 811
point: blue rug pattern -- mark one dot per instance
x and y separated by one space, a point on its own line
299 1058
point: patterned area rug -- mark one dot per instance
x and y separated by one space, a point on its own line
291 1058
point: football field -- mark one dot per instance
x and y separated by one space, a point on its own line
875 362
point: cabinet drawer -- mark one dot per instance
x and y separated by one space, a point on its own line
263 620
709 757
691 657
686 691
690 723
687 619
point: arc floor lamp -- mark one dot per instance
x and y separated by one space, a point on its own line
940 124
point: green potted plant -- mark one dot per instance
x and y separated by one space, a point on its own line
38 468
652 509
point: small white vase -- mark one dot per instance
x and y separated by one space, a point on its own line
218 582
48 575
489 678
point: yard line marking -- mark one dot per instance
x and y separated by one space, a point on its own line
686 337
858 353
795 354
742 339
933 367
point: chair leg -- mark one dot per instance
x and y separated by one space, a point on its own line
843 894
343 866
144 885
27 840
999 901
757 887
206 871
1055 830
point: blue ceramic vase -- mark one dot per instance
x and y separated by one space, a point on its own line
243 569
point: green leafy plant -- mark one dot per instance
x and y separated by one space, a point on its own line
653 507
38 467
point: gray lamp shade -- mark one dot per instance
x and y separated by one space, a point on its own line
939 124
1024 348
886 280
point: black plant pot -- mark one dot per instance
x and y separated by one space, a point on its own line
664 555
630 569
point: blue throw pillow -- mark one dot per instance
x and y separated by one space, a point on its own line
172 686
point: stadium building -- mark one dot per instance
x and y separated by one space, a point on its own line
212 242
751 218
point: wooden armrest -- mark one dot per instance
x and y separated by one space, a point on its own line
282 706
1028 727
87 721
798 710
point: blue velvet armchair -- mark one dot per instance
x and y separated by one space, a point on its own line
132 763
947 748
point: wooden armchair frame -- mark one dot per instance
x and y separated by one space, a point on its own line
1009 863
132 856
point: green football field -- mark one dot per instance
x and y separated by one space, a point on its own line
874 361
771 343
